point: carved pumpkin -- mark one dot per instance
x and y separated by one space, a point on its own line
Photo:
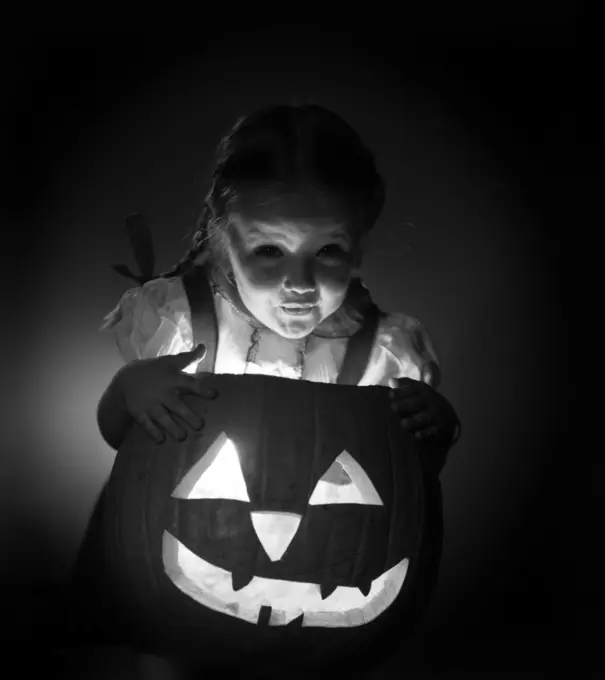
293 524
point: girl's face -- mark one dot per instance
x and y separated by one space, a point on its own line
292 255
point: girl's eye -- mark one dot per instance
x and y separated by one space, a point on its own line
267 251
332 251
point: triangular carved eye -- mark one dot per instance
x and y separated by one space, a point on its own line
218 474
345 481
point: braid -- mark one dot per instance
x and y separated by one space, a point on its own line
208 222
198 244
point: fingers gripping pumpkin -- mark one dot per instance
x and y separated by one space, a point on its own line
296 521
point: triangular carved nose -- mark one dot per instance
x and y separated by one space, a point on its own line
275 531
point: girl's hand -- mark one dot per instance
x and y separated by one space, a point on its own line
150 389
424 412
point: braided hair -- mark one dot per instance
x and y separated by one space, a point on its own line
284 144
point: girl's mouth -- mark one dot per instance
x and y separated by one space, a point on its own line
298 311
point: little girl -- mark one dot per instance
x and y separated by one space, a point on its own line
294 195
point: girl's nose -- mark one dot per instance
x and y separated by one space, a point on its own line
299 287
300 279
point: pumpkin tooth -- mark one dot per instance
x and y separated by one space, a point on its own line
240 579
264 615
365 586
297 622
327 589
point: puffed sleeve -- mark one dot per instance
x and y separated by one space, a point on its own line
408 350
152 320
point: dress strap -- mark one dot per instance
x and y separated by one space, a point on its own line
359 349
204 324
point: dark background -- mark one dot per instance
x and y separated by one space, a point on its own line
485 127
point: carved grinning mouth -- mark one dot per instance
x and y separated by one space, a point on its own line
267 601
286 601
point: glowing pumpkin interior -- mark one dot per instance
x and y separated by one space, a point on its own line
218 475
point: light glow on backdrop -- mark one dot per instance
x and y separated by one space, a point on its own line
455 247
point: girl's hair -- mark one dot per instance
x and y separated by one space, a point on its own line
284 145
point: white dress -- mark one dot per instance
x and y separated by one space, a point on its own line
154 320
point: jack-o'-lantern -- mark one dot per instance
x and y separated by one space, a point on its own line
294 523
